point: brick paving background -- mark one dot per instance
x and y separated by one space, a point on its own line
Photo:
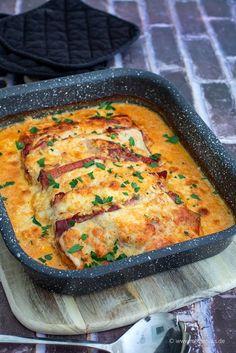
193 44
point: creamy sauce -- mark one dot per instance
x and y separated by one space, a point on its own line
184 178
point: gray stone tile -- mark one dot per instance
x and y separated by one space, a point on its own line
7 6
222 108
133 57
31 4
190 18
231 148
158 11
128 10
216 8
179 79
204 59
226 34
165 46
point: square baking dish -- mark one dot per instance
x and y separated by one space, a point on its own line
158 94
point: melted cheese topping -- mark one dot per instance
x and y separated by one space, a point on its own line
116 203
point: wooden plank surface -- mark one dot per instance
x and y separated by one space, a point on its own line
42 311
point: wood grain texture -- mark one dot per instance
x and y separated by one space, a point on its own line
42 311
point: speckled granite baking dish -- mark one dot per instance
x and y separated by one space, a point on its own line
158 94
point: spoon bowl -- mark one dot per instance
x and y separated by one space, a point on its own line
156 333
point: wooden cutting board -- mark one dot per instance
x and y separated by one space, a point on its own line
45 312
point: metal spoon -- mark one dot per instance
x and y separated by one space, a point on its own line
157 333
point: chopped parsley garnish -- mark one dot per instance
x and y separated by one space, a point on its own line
58 121
3 198
117 165
171 139
130 167
52 182
106 105
155 156
92 177
75 248
131 141
215 192
74 182
138 175
20 145
125 193
196 197
123 185
180 176
109 257
88 164
109 170
102 201
135 187
97 114
7 183
46 258
153 165
100 165
178 200
84 236
51 142
193 186
43 228
68 121
113 136
71 223
41 162
34 130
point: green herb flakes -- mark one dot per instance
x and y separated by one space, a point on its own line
92 177
113 136
84 236
34 130
171 139
20 145
6 184
131 141
69 121
88 164
41 162
135 187
196 197
75 248
180 176
56 120
138 175
71 223
43 228
52 182
106 105
100 165
153 165
46 258
155 156
178 200
102 201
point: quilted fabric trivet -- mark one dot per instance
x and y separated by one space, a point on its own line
19 64
67 34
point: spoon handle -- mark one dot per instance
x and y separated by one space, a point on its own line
52 341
